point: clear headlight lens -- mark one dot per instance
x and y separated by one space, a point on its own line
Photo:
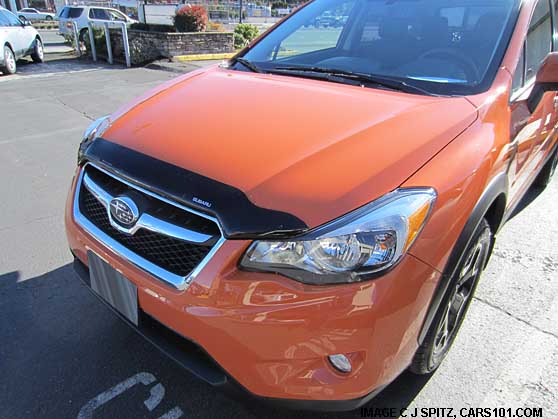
94 130
352 248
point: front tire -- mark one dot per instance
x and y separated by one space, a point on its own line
455 304
38 55
83 35
49 18
10 66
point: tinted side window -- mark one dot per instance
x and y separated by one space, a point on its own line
539 39
64 13
99 14
75 12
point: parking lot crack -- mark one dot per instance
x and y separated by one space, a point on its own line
513 316
83 113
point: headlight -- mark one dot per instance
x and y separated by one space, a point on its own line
94 130
366 241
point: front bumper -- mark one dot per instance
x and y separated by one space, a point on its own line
270 335
195 360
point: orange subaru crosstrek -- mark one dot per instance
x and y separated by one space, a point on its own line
311 218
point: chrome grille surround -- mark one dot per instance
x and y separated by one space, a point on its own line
146 222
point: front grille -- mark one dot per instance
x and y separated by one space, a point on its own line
172 254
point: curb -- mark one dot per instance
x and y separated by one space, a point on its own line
203 57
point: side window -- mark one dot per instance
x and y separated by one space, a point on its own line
64 13
75 12
115 15
539 39
99 14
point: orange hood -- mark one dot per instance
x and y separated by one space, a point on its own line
310 148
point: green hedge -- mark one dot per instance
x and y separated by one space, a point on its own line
243 34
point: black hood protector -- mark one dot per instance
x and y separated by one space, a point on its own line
238 216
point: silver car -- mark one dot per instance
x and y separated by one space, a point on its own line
17 40
34 14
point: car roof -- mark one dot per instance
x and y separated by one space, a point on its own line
89 7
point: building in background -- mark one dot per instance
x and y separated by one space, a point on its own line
14 5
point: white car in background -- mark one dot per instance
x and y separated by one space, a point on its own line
82 15
34 14
17 40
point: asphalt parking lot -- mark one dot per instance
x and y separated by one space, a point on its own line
62 353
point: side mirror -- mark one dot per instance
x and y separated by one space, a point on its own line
546 80
25 21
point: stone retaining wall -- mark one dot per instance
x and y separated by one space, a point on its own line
148 46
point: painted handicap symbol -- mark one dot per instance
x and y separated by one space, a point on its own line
156 395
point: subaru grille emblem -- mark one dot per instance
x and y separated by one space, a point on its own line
124 210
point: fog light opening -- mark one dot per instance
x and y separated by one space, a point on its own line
341 363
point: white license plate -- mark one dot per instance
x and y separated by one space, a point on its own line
113 287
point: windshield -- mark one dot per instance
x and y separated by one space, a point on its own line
443 46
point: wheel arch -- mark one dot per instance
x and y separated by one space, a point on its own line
495 213
491 206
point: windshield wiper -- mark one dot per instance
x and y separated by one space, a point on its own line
360 78
248 64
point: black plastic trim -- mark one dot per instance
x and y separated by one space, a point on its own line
195 360
238 216
322 405
498 186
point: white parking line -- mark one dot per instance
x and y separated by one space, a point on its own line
25 76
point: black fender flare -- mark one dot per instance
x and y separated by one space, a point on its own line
497 186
